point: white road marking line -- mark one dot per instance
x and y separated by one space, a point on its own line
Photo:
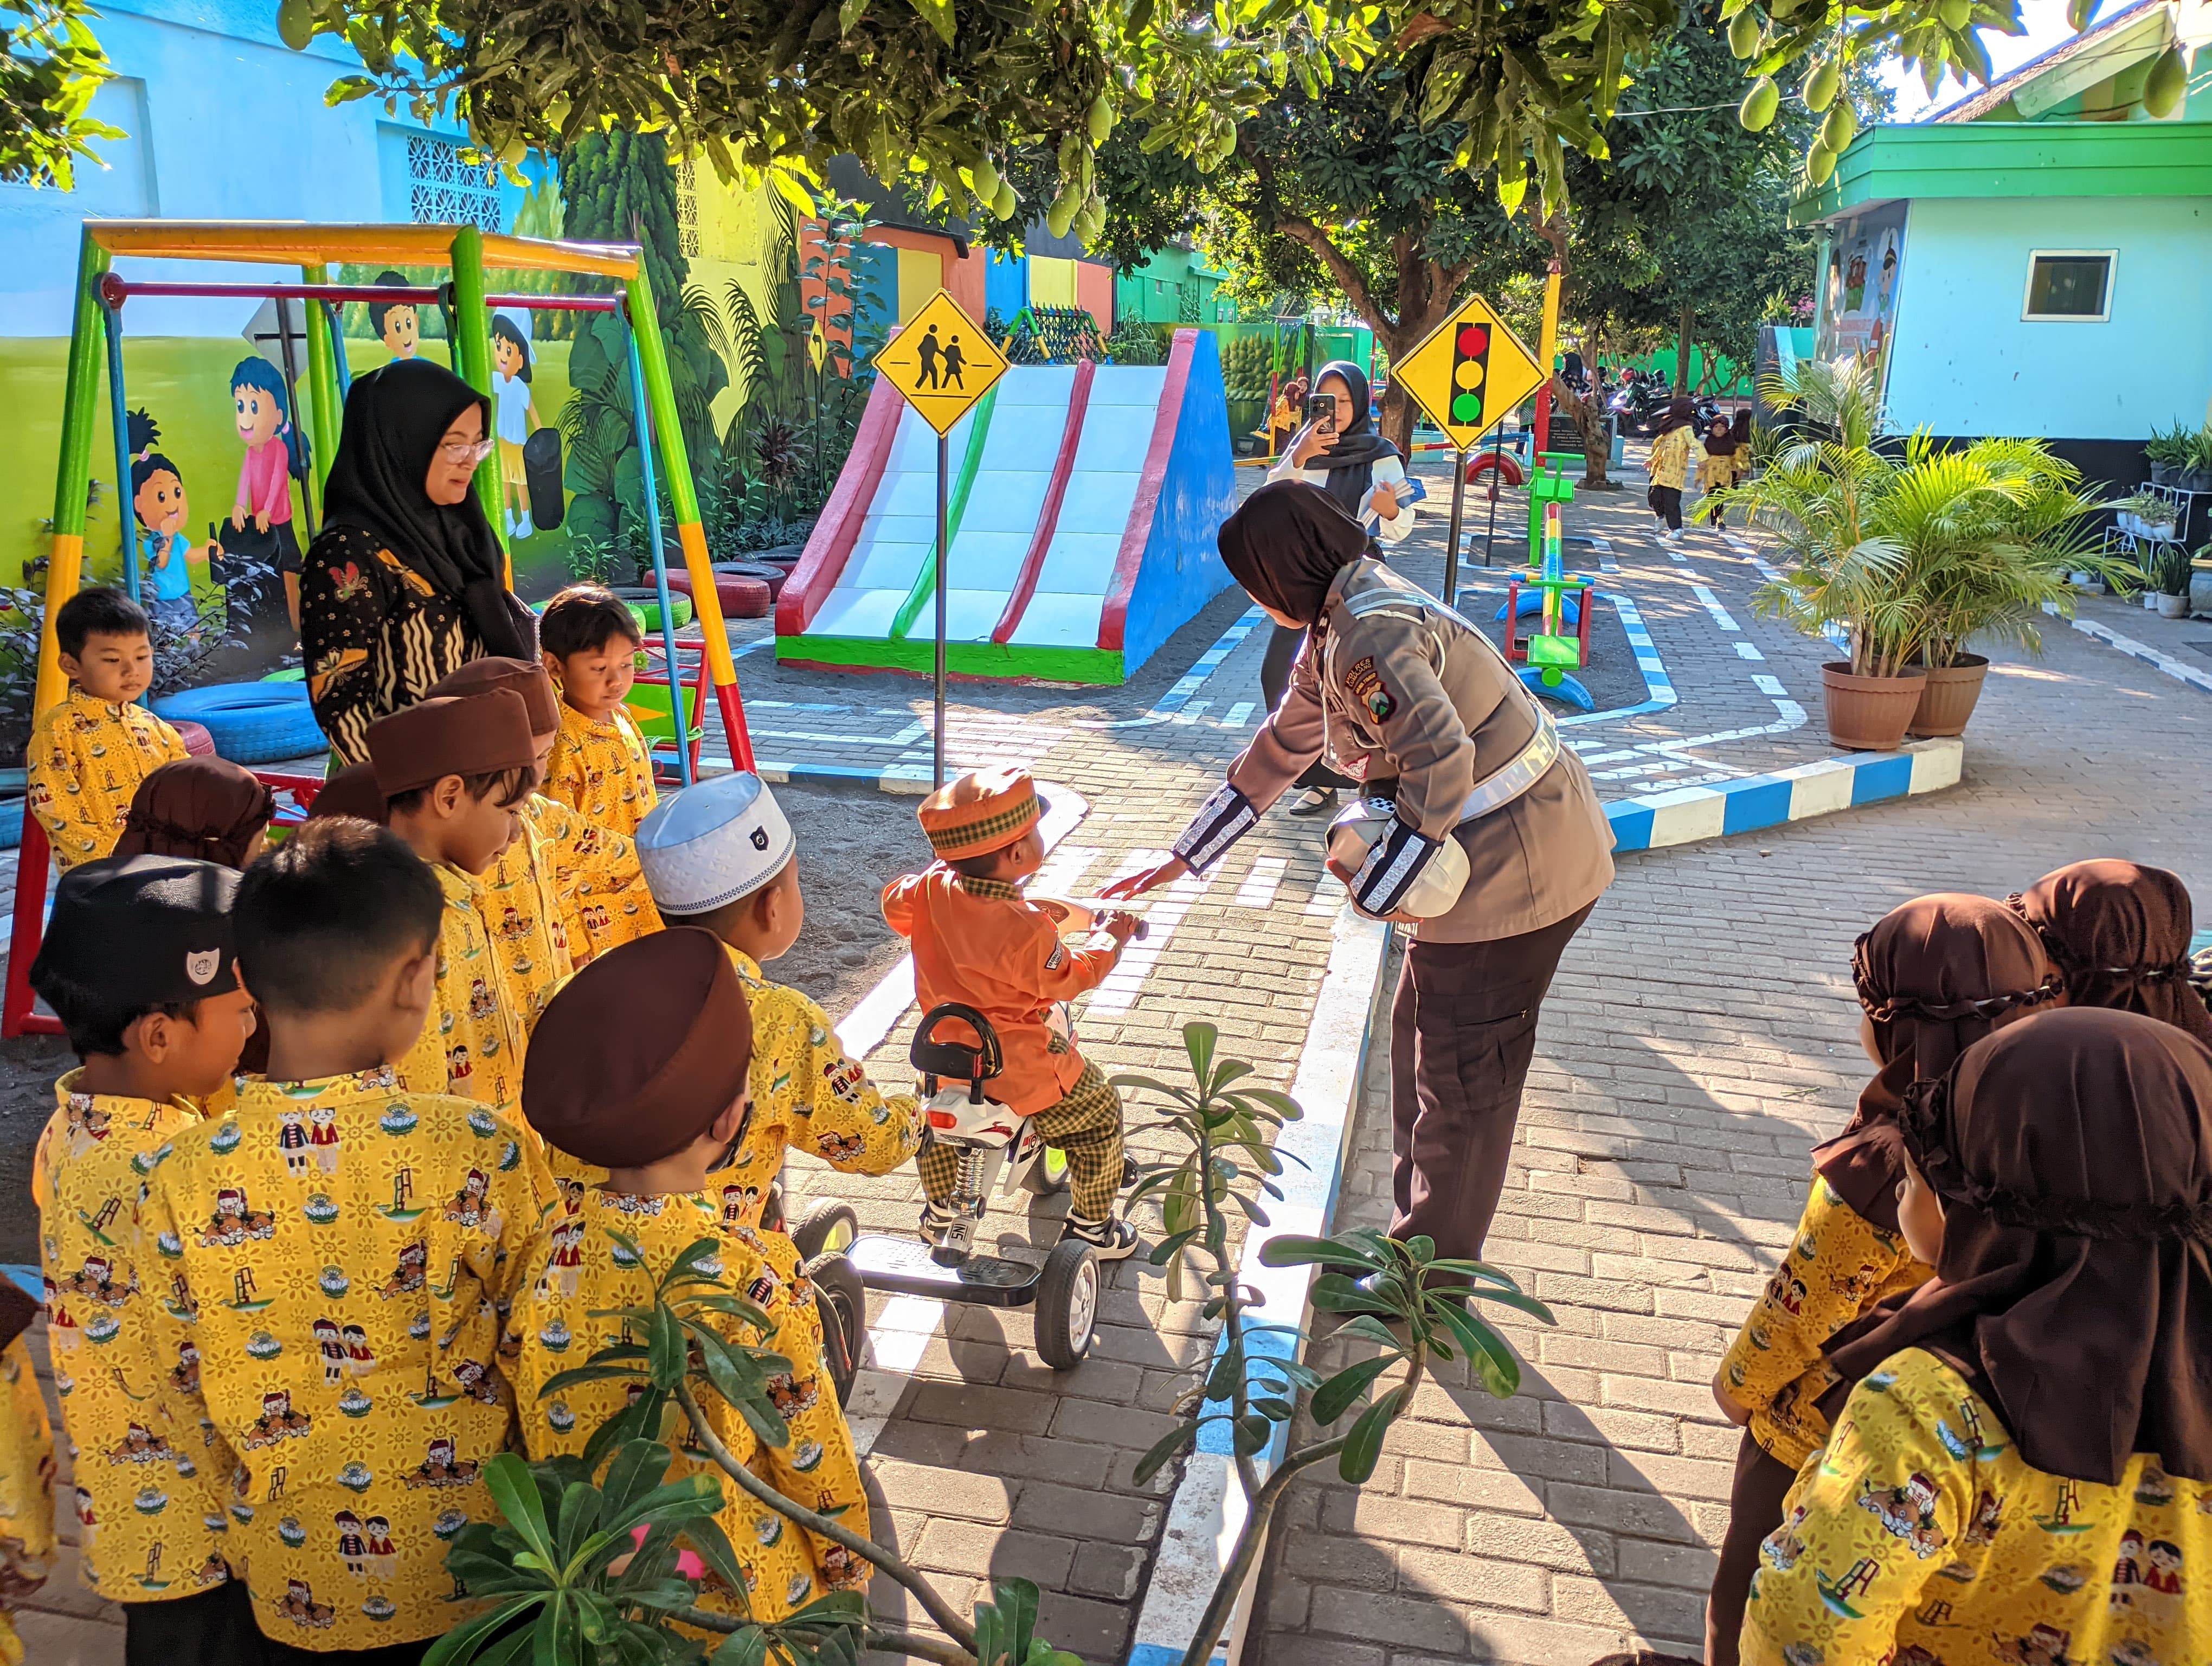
897 1339
905 736
1721 616
2172 667
1770 687
1118 994
1237 714
1190 714
1748 652
1258 890
1061 875
1329 894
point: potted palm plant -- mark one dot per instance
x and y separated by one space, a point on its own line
1994 533
1824 496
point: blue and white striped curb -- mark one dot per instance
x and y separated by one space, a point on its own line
1794 794
1208 1509
2172 667
1658 688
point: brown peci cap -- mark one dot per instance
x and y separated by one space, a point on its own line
640 1051
479 735
524 677
352 791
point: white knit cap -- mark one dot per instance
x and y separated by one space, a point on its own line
711 844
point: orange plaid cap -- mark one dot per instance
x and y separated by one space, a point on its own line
984 810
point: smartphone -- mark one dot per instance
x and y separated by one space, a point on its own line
1320 408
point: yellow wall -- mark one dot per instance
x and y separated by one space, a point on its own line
1051 283
921 275
741 241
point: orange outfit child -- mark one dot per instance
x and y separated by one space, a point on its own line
979 942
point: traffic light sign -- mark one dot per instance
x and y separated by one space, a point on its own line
1468 372
1470 364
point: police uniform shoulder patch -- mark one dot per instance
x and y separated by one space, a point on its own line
1364 683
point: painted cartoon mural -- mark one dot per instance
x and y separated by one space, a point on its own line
1859 303
174 572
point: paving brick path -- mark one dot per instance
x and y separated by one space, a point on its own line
1701 1037
1686 1063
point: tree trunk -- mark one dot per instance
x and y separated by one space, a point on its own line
1682 348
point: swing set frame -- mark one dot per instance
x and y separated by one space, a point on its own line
468 253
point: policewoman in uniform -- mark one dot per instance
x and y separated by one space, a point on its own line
1494 847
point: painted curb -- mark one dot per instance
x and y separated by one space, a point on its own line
1206 1511
1689 813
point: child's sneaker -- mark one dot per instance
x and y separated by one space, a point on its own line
1112 1239
937 1221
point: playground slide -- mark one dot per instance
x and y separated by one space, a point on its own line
1083 502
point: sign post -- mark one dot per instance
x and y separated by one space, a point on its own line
1466 374
941 363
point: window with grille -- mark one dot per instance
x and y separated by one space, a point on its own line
444 191
2069 283
687 209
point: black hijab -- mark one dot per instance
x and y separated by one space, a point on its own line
1681 413
1286 543
394 417
1350 459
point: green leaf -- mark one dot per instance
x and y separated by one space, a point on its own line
850 12
460 1644
1290 1249
1337 1395
516 1491
638 1468
1364 1445
669 1352
938 13
1172 1444
1199 1041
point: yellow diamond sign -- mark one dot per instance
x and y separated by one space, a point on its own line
941 361
1468 372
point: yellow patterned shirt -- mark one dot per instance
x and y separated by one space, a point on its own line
602 770
27 1487
87 758
1924 1538
596 879
578 1266
1839 1267
808 1093
494 974
149 1492
345 1294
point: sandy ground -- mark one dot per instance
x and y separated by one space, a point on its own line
28 1066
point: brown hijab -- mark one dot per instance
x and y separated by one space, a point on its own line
2118 932
206 808
2074 1156
1935 975
1286 543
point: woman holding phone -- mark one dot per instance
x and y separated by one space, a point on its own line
1339 450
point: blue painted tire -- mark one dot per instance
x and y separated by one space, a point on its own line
11 825
1532 601
251 722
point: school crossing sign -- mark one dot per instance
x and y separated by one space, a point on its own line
1468 372
941 363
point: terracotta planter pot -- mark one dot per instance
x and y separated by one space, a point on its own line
1947 695
1869 714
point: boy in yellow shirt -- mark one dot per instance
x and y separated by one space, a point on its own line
154 1027
341 1310
92 747
721 855
640 1073
454 774
27 1469
593 869
601 767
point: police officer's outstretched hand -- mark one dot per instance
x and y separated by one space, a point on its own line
1144 880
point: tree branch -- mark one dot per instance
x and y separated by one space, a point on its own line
934 1605
1300 230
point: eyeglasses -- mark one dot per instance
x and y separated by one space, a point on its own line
465 451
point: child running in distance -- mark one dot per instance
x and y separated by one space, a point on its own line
138 963
593 869
334 1212
92 748
2024 1472
721 855
2120 934
1934 976
978 941
453 773
639 1073
600 766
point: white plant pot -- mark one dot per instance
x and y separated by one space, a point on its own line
2150 601
2173 607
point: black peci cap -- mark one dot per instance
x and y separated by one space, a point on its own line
142 930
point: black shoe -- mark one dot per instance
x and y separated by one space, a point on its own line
1317 802
1110 1240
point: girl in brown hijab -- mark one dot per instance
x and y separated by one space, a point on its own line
2119 932
1933 976
206 808
2024 1472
